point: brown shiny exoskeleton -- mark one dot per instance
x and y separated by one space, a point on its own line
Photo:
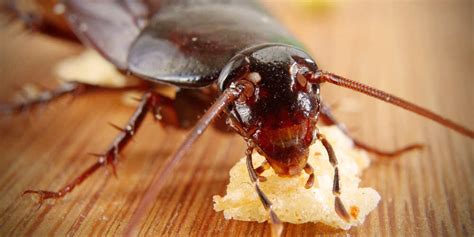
269 87
278 110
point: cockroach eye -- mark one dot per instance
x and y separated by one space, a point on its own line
248 90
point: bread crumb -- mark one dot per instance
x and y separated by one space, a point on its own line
91 68
294 203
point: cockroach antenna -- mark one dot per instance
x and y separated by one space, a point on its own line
322 76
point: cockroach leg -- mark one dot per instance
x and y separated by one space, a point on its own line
336 188
322 76
328 118
68 88
149 101
225 99
277 226
264 166
164 112
259 170
309 170
44 97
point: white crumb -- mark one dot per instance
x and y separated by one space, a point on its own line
91 68
292 201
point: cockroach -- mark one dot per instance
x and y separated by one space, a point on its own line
269 87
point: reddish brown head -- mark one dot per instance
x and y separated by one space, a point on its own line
278 111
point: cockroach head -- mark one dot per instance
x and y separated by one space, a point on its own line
278 108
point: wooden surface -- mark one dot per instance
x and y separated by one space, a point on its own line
422 51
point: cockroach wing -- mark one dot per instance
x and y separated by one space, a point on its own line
188 44
106 25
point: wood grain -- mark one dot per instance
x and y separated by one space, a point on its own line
422 51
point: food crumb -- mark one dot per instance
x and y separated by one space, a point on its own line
91 68
294 203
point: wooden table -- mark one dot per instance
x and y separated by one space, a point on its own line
421 51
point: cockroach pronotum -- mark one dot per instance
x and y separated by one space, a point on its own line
269 87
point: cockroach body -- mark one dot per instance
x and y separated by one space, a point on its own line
269 87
